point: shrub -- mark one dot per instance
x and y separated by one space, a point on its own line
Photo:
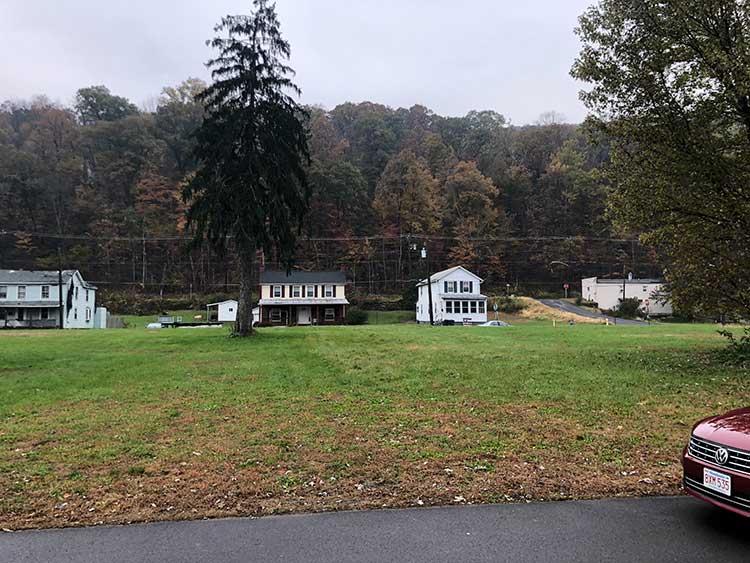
738 352
629 308
356 317
508 305
131 303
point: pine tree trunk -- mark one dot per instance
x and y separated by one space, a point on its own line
244 324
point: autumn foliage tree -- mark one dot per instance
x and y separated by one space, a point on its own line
670 85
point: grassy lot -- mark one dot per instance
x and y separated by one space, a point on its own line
390 317
133 425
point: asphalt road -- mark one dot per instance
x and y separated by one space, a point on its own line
649 529
569 307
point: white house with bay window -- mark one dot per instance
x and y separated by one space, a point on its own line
456 297
31 299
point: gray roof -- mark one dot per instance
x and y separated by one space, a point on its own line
33 276
437 276
636 281
300 277
37 277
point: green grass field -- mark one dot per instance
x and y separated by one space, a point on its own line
133 425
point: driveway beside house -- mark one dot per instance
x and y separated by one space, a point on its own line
569 307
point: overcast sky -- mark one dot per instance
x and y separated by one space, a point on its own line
450 55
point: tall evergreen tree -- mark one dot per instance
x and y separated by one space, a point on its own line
250 184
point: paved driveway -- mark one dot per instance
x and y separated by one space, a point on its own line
650 529
569 307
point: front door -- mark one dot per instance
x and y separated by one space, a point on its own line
303 315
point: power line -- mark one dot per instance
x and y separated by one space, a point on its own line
416 238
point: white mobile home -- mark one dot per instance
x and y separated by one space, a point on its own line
31 299
456 297
608 293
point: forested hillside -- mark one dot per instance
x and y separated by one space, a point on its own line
100 184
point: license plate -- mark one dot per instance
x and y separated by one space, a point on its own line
717 481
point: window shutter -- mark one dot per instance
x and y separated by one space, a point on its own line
316 291
445 287
283 291
471 287
335 290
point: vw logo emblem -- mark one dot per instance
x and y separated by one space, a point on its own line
721 456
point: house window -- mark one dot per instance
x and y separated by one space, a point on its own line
88 314
87 295
645 289
466 286
481 307
449 307
3 291
465 307
328 291
45 292
275 315
75 314
21 292
474 307
76 292
296 291
45 314
277 292
330 314
310 291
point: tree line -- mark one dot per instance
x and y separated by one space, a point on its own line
102 181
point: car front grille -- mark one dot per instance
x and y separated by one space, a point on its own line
736 501
704 450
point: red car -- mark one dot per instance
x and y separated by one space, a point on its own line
716 462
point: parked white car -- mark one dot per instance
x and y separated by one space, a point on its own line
494 323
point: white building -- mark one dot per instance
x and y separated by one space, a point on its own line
31 299
608 293
227 311
456 296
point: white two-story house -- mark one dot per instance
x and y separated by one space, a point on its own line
302 298
31 299
456 297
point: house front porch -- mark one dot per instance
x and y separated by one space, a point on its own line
277 314
30 315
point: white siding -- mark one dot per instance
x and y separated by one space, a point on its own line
469 293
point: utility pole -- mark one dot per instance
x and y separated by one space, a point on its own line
60 286
426 256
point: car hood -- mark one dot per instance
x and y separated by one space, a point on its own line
729 429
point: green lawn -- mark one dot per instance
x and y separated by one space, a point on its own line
390 317
130 425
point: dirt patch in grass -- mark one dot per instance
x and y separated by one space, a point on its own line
416 455
535 310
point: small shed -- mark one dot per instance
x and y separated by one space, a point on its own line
227 311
